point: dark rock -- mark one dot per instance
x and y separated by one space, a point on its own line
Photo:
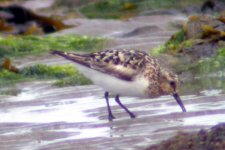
194 26
211 6
199 51
202 140
142 31
204 36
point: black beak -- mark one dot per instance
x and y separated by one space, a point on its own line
177 97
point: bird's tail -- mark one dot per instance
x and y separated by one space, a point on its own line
77 58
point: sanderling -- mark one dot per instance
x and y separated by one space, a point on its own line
125 73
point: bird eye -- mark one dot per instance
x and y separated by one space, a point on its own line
173 85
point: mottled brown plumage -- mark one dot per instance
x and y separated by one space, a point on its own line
129 72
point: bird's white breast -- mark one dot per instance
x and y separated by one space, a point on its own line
115 85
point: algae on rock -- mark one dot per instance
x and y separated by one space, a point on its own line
202 40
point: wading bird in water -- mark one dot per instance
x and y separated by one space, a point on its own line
125 73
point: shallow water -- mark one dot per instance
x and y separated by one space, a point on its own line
46 117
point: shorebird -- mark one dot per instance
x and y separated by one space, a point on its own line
125 73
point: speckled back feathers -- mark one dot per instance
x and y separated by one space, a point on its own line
123 64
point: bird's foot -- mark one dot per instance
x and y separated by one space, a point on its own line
132 115
111 117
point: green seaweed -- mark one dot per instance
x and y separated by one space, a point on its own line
209 65
78 79
114 9
214 64
187 43
172 45
44 72
65 75
158 50
103 9
8 78
221 52
16 46
200 67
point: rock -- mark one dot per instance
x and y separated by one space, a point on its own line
199 51
142 31
23 19
202 140
194 26
204 36
211 6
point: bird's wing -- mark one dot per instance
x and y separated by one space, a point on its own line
119 71
122 64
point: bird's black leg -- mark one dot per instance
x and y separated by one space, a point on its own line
110 115
121 105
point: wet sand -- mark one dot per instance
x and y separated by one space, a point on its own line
46 117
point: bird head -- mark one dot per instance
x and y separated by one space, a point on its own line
168 85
